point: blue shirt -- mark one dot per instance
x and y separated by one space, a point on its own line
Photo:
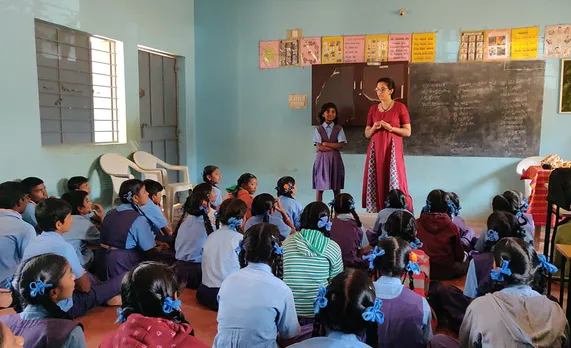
285 230
334 339
341 138
471 285
30 214
82 234
219 257
140 233
76 338
190 239
293 209
254 306
522 290
15 234
219 197
155 214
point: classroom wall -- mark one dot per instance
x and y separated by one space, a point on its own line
161 25
243 119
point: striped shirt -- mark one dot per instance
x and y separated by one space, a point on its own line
310 259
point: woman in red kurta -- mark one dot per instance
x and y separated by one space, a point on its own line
387 123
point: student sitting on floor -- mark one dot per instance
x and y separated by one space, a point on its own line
467 235
150 315
396 201
286 190
263 208
81 183
254 303
40 284
245 188
8 339
153 210
36 190
211 175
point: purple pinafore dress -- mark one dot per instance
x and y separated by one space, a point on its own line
348 235
328 168
483 264
403 321
45 333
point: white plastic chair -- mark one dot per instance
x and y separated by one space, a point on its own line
522 167
118 168
151 162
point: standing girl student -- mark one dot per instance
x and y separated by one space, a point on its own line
328 138
396 201
286 190
255 304
245 188
263 208
211 175
191 233
151 315
517 315
347 232
39 284
219 257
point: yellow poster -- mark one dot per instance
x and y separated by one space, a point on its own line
377 48
331 49
525 43
423 47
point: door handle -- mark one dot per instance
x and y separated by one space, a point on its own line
361 86
143 125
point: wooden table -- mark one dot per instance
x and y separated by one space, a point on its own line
565 251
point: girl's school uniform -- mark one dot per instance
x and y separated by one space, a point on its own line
285 230
158 221
81 236
254 306
39 330
467 234
478 279
189 241
528 229
379 227
328 168
30 214
350 238
219 196
334 339
293 210
15 235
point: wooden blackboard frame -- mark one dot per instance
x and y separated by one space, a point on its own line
565 88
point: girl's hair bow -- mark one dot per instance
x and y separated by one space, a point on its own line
492 236
234 223
324 222
120 318
416 244
427 207
321 300
278 250
412 265
240 247
128 196
169 305
549 267
498 274
38 288
331 203
351 205
372 255
373 313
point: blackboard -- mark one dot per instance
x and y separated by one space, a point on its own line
486 109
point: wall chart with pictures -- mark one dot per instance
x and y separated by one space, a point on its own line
289 52
557 41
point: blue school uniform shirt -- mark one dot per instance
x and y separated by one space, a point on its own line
140 234
471 285
76 338
15 235
219 197
81 235
155 214
334 339
341 138
30 214
254 306
293 209
219 257
190 239
285 230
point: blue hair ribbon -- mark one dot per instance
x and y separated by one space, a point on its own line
240 247
324 222
498 274
38 288
383 236
169 305
278 250
452 209
321 300
416 244
387 203
120 318
413 267
234 223
331 203
352 205
128 196
549 267
492 236
203 209
524 205
373 313
372 255
427 207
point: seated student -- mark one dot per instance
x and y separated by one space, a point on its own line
191 233
83 235
153 211
36 190
211 175
467 235
39 285
441 238
54 219
245 188
207 189
254 303
396 201
286 190
126 235
219 257
517 315
401 224
347 232
15 234
81 183
346 311
311 259
263 208
500 225
8 339
408 314
150 315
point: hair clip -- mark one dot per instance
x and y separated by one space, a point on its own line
120 318
38 287
324 222
351 204
169 305
234 223
372 255
427 207
416 244
321 300
240 247
387 203
373 313
278 250
498 274
287 188
128 196
549 267
412 265
492 236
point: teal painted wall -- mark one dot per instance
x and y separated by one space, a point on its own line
243 119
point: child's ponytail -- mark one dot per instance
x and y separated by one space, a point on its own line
345 204
285 186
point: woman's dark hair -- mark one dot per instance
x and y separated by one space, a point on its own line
144 289
348 296
51 210
393 263
438 201
456 200
30 183
153 187
281 187
11 193
258 247
389 82
326 107
396 199
231 208
401 224
208 170
75 182
262 205
75 200
192 206
311 215
505 225
345 204
523 263
47 268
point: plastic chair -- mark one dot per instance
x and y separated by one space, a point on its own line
151 162
118 168
522 167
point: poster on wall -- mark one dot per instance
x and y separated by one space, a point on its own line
310 51
524 43
497 44
289 52
377 48
471 46
269 54
565 97
354 47
331 49
399 47
423 47
557 41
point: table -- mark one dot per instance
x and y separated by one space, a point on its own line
538 200
565 251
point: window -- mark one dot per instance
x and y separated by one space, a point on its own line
81 87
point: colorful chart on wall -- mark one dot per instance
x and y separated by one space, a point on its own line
269 54
497 44
565 98
471 46
354 47
557 41
377 48
331 49
399 47
289 52
524 43
423 47
310 51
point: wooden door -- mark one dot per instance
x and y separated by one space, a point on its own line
334 83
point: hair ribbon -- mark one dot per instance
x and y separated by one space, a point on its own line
38 288
416 244
412 265
120 318
278 250
321 300
331 203
234 223
492 236
498 274
387 203
427 207
324 222
372 255
373 313
240 247
352 204
169 305
128 196
549 267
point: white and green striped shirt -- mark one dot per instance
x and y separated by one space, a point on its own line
310 259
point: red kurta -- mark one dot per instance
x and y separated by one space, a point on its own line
384 168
